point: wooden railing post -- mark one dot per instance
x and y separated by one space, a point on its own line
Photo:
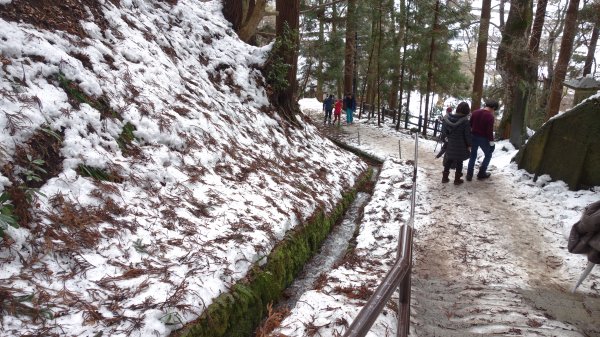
435 127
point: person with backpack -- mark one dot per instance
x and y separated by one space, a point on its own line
328 108
456 133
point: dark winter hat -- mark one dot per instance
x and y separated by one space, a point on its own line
491 103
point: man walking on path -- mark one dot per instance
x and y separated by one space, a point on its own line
349 106
482 130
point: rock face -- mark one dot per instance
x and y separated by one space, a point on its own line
567 147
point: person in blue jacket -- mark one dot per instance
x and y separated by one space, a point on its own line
328 108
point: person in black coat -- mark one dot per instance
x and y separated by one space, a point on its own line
349 107
456 132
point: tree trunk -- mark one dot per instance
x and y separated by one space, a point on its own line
501 10
234 13
403 21
244 15
378 77
587 68
533 113
306 78
364 95
536 30
553 34
350 47
396 64
512 63
288 24
373 62
481 55
319 69
409 93
339 77
430 63
253 18
560 70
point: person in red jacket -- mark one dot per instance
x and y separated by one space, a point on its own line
337 112
482 131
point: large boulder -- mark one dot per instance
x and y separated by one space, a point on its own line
567 147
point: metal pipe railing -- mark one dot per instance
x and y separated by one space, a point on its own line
398 278
369 313
404 288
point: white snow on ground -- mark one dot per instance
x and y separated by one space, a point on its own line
212 181
490 256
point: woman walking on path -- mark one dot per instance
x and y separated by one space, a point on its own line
456 132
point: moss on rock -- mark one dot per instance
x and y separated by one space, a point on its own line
567 147
239 312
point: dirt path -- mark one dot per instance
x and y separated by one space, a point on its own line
484 262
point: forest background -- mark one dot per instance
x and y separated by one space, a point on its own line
390 51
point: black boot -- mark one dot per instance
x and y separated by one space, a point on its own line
483 175
457 179
445 178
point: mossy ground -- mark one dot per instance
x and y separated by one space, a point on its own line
239 312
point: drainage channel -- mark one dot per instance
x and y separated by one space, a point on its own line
334 247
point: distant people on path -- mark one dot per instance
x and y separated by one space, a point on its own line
337 111
448 113
328 108
349 107
456 133
482 128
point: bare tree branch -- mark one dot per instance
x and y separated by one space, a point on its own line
314 8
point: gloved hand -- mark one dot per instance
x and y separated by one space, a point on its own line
492 144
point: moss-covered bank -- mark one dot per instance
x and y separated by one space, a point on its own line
370 158
567 147
239 312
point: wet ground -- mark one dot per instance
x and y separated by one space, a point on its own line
334 247
486 262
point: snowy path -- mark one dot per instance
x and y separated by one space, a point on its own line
485 262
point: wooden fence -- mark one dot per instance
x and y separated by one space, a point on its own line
407 121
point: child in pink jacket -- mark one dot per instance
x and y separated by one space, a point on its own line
337 112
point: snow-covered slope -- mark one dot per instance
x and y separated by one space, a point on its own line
145 164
